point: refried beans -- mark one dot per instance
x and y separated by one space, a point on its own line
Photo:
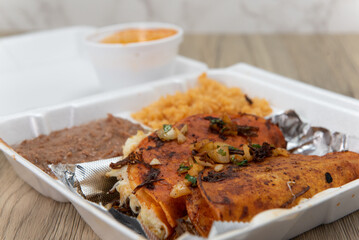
95 140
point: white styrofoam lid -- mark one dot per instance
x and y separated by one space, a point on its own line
51 67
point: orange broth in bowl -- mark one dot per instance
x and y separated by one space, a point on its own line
138 35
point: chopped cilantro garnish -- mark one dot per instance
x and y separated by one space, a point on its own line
167 127
191 179
243 163
221 152
217 121
256 145
231 148
223 130
183 168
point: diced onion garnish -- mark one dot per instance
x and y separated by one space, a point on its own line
247 154
200 146
166 135
220 155
180 137
203 163
184 129
218 167
180 189
155 161
195 169
209 146
280 152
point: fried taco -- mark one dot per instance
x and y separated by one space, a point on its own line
153 177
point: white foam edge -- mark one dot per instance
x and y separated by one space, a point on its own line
301 87
184 82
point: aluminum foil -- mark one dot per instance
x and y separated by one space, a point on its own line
304 139
89 181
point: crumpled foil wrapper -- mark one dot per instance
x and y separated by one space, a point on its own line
304 139
89 181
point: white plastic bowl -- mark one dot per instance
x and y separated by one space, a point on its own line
122 65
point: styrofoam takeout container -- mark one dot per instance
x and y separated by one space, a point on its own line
316 109
122 65
52 67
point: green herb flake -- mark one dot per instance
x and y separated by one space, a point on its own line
231 148
191 179
223 130
243 163
221 152
183 168
217 121
256 145
167 127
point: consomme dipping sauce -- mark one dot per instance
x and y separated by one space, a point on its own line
138 35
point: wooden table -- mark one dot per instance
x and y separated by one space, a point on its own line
326 61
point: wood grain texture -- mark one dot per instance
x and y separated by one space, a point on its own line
327 61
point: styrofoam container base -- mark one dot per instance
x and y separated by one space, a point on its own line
316 109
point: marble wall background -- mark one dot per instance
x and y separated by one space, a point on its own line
224 16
